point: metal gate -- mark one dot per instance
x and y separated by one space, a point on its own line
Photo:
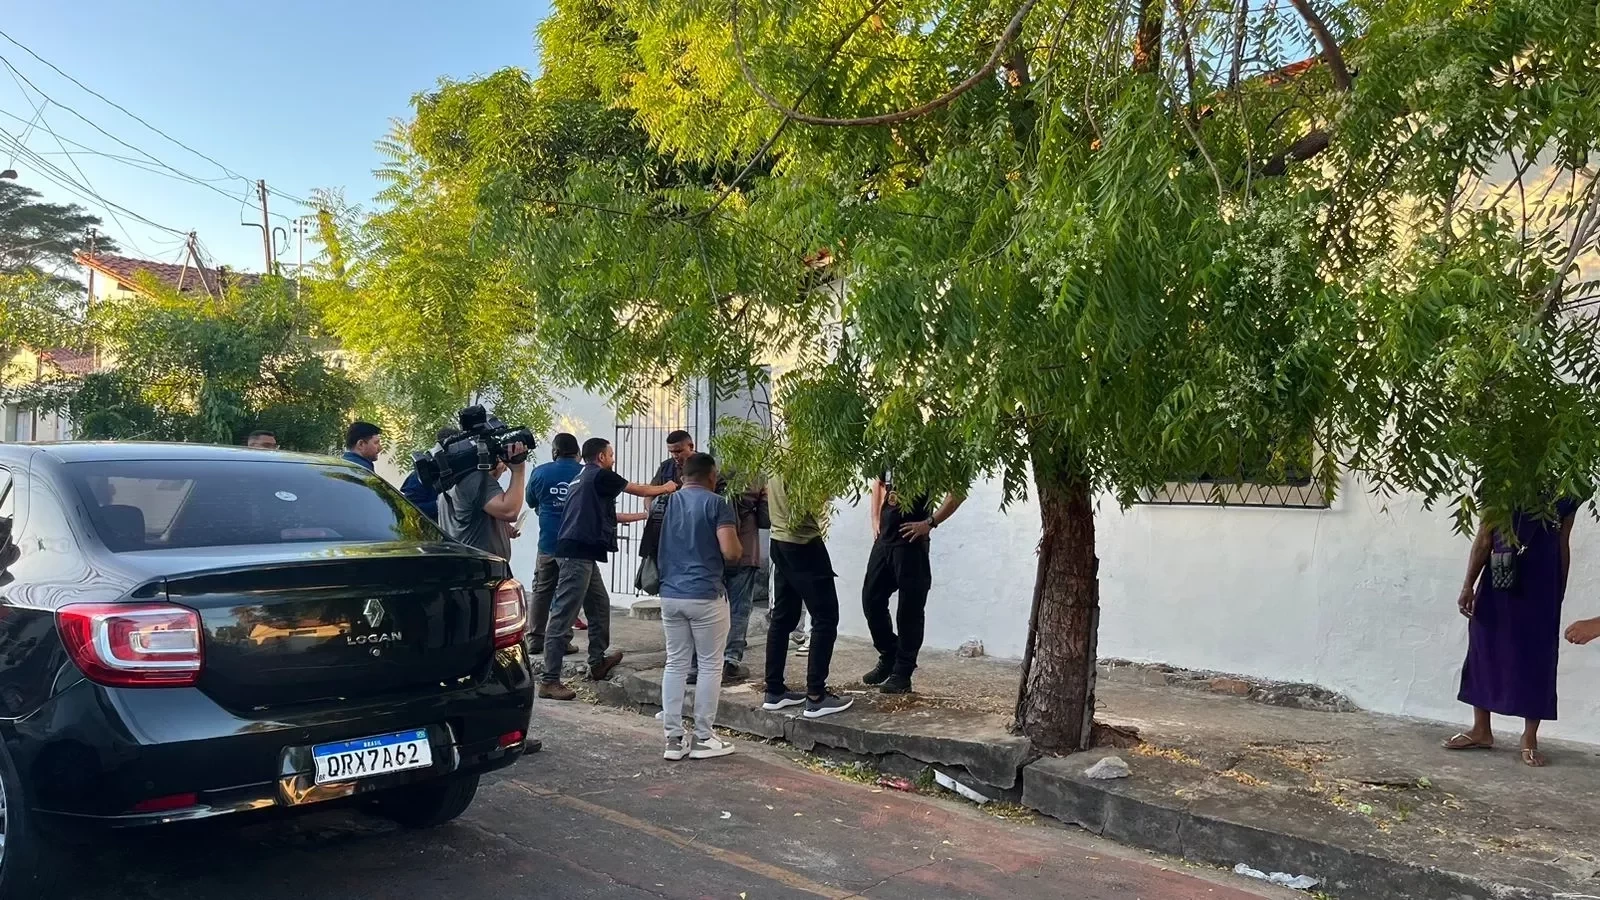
641 444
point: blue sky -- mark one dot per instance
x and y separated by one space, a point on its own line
294 91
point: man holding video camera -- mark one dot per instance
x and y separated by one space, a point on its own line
478 512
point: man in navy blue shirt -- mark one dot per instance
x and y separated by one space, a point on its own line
547 497
363 445
587 537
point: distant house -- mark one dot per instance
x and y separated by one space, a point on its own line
118 277
20 422
110 278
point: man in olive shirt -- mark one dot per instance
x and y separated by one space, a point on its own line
803 577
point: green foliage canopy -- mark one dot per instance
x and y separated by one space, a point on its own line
1145 241
431 315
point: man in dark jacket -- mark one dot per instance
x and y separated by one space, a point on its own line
421 495
587 537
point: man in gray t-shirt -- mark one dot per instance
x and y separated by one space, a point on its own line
698 537
479 513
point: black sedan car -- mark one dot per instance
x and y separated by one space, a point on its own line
189 632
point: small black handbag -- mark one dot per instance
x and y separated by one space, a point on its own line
1503 566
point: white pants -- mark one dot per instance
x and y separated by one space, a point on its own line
697 630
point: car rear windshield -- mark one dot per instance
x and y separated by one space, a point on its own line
167 504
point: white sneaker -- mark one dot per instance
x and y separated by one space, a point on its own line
675 749
804 647
710 748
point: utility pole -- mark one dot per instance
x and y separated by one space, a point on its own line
88 306
90 302
266 223
302 227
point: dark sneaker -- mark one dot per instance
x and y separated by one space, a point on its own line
895 684
572 646
556 691
675 749
710 748
775 702
599 672
733 671
827 706
580 624
879 674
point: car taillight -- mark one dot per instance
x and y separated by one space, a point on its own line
133 644
510 613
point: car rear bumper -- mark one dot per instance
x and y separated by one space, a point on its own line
94 755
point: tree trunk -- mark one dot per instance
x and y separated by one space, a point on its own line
1055 701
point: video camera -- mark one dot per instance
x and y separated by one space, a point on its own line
483 441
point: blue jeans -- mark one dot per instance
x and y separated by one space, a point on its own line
741 584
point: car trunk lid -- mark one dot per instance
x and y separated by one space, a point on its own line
301 625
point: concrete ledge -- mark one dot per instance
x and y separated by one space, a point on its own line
978 743
1279 833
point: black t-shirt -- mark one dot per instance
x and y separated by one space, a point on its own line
895 512
589 526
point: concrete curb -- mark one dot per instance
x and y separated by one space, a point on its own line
1132 811
1141 811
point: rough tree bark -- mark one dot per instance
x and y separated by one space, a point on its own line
1055 700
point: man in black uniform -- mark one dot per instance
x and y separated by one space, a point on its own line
899 562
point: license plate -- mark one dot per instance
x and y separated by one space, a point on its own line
366 757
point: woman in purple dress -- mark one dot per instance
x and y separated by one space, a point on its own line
1513 596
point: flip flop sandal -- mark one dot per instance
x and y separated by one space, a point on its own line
1533 759
1465 742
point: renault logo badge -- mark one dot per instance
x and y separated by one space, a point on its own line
373 612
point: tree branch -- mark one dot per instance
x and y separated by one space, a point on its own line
1330 47
1006 37
1581 235
1309 145
1239 29
822 68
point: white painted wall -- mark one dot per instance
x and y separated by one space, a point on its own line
1359 598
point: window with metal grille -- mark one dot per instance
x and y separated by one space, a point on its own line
1279 477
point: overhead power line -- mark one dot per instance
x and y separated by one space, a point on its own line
232 173
92 124
56 175
123 109
39 118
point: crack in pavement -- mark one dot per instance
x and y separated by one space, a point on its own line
565 860
859 895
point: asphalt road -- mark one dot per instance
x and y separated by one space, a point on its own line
600 814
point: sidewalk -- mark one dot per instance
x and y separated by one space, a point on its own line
1369 804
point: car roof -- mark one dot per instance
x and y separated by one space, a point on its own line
122 451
